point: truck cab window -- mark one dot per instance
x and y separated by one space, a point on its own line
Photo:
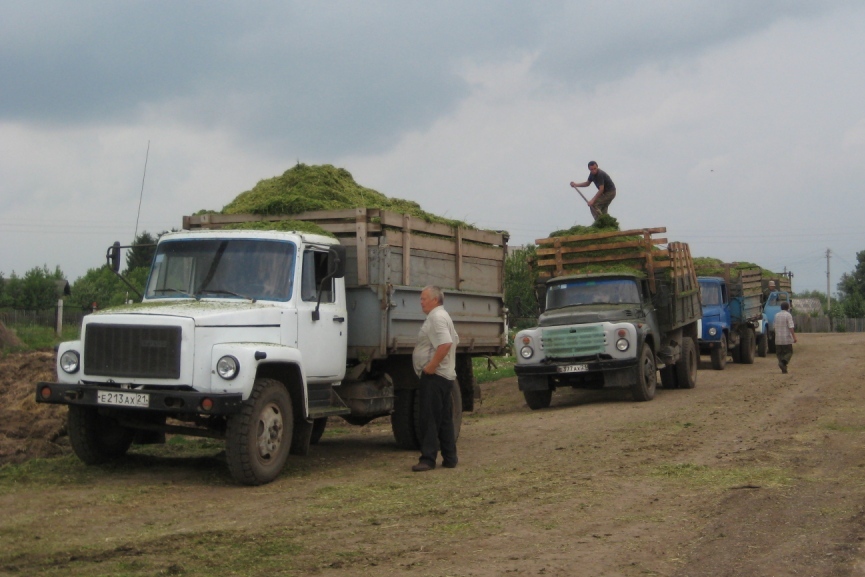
314 270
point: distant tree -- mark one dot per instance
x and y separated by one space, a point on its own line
140 255
520 296
36 290
99 286
2 290
854 282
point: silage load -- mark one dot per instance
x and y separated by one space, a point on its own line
305 188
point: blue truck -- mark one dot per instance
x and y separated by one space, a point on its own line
775 291
733 323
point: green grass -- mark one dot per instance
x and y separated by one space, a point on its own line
488 369
704 476
36 338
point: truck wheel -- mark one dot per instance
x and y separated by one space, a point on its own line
762 345
686 367
771 342
318 427
748 347
538 399
647 375
258 438
402 419
96 438
668 377
467 381
719 355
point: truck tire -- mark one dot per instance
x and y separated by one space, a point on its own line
668 377
538 399
647 376
748 347
686 367
402 420
771 342
719 355
318 427
467 381
762 345
258 438
96 438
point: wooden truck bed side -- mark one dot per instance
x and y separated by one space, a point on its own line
670 267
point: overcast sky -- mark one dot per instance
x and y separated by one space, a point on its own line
738 125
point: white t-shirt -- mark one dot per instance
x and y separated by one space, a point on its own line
437 329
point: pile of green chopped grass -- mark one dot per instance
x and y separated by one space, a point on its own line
283 225
709 266
305 188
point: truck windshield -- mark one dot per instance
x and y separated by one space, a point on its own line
587 292
710 293
254 269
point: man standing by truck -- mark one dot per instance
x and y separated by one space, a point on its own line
606 189
784 336
434 360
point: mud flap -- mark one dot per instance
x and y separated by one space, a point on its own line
533 382
621 378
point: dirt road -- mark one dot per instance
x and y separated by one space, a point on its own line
752 473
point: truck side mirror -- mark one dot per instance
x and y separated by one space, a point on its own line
336 261
113 256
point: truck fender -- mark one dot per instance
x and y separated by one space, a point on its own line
284 364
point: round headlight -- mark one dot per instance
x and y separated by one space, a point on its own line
227 367
622 344
713 331
527 352
70 362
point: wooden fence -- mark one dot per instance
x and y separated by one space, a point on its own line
46 318
809 324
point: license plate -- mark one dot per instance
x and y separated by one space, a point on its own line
123 399
573 368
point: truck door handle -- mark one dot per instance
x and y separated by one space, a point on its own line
339 319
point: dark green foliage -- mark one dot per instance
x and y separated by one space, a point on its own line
103 287
141 256
520 298
35 291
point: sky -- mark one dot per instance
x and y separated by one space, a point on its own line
738 125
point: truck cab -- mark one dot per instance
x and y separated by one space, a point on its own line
238 334
597 330
714 328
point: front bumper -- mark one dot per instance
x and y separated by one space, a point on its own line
162 401
594 366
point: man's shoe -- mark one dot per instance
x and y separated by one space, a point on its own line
422 466
783 367
449 465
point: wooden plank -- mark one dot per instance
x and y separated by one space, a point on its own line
599 235
393 219
446 246
459 259
559 263
599 247
406 252
362 252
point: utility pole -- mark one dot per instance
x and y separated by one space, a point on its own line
828 295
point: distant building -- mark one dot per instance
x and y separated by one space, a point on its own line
807 306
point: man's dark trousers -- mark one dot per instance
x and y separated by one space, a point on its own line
436 420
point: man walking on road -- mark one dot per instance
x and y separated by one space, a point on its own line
434 360
785 336
606 190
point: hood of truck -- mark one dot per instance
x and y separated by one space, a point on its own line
578 315
211 312
713 313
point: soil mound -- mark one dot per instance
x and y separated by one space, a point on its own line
28 429
8 339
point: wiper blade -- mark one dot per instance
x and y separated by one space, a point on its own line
223 292
174 290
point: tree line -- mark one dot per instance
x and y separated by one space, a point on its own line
38 288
